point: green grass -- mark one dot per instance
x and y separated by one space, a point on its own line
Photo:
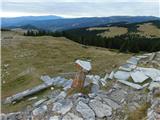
30 57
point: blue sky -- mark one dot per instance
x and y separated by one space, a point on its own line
80 8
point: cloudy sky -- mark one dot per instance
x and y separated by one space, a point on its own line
80 8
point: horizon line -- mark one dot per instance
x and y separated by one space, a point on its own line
65 16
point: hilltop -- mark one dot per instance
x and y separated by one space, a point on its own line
132 37
25 59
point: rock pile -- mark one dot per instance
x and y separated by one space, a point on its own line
100 104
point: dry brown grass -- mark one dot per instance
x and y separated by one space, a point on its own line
98 28
30 57
114 31
110 31
149 30
140 113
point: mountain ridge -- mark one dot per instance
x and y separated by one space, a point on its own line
61 24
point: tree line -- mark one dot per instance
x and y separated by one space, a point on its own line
124 43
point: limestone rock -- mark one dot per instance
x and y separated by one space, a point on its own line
100 109
39 110
71 116
85 111
111 103
54 118
62 106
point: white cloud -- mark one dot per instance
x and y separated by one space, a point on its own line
91 1
80 9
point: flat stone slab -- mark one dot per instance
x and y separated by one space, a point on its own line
133 60
111 103
118 96
150 72
127 67
101 110
138 76
62 106
71 116
61 96
85 111
39 102
122 75
133 85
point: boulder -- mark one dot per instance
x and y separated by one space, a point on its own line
85 111
101 110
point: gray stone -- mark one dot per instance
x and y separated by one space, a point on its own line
111 103
85 111
111 75
61 82
61 96
67 84
54 118
3 116
82 99
100 108
39 110
133 60
71 116
122 75
46 79
62 106
118 95
39 102
95 88
92 95
10 116
127 67
32 98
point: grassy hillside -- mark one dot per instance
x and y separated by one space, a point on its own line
148 30
134 37
110 31
25 59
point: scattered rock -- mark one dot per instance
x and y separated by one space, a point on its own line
54 118
111 103
62 106
71 116
39 102
95 88
85 111
101 110
32 98
39 110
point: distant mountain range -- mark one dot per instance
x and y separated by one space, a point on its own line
56 23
